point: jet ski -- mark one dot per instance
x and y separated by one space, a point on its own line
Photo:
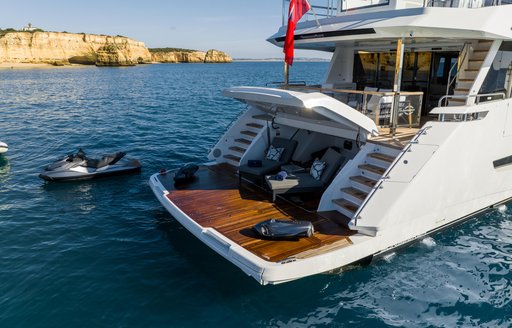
78 166
284 229
3 147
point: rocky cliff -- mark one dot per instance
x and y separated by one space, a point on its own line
64 48
189 56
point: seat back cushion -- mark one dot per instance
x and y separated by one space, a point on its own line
289 147
333 159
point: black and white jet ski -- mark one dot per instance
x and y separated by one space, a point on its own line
3 147
79 167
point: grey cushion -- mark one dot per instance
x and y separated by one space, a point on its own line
333 159
304 182
267 166
289 147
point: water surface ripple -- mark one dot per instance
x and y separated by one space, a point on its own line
105 253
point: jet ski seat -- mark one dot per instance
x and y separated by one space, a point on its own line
109 159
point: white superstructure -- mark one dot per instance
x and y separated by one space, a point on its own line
451 93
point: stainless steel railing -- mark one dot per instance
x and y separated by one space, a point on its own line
320 9
377 105
489 96
466 3
385 176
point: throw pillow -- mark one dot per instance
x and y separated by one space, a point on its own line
274 153
317 168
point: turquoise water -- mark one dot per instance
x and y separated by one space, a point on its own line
105 253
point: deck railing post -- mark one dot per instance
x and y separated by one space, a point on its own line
396 86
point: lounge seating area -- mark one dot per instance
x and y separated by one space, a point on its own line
279 153
280 175
314 180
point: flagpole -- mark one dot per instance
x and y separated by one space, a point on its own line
297 9
286 73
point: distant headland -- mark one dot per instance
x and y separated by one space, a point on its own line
33 46
177 55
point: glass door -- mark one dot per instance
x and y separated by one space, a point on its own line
442 63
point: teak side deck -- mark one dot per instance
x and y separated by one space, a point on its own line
214 199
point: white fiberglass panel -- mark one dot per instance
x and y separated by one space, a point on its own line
412 162
320 103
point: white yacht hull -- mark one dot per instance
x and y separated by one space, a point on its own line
429 187
266 272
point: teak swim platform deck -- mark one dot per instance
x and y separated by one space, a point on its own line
215 199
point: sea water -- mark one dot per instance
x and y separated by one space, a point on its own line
105 253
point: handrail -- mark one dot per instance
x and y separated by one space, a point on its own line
450 80
478 96
290 84
360 92
464 4
320 8
414 140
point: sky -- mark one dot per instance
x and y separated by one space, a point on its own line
239 28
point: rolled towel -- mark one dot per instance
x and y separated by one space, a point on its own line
281 175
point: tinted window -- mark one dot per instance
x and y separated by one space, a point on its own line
496 78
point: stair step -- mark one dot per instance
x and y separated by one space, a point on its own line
238 149
462 89
364 181
372 168
254 125
345 204
457 100
471 69
232 157
475 60
335 217
466 80
249 133
382 157
243 141
359 194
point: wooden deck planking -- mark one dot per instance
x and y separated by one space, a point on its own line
214 199
402 134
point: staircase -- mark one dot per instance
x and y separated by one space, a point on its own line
369 173
468 72
247 133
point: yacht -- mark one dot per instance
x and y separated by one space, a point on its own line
412 126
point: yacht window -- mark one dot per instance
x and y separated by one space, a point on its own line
440 68
358 4
496 78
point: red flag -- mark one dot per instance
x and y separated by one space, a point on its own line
297 9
